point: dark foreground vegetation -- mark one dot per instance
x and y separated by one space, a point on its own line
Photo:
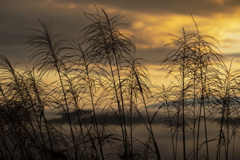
99 77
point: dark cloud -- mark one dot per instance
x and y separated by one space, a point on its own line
232 2
203 7
17 16
108 118
153 55
232 55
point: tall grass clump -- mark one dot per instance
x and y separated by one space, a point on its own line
141 94
50 54
226 90
109 46
192 63
207 60
178 61
90 75
21 110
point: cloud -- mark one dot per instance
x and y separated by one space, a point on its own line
153 55
148 21
229 40
17 17
104 118
204 7
232 2
232 55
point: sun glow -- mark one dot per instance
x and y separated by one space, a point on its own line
152 30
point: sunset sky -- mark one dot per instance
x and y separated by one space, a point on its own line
149 21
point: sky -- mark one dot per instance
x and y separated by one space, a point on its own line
149 21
